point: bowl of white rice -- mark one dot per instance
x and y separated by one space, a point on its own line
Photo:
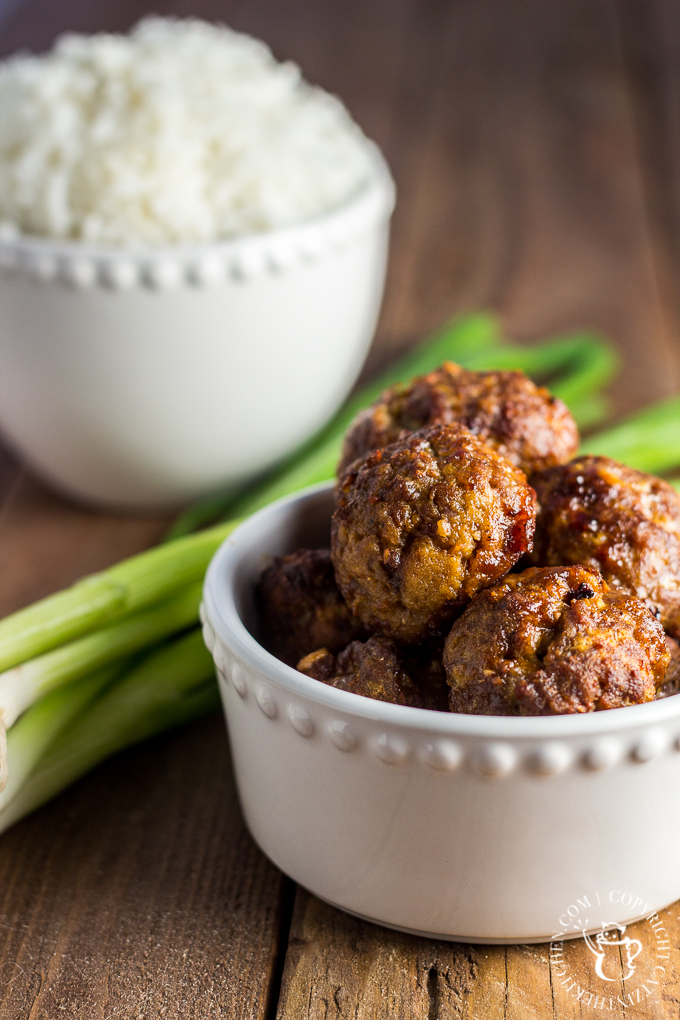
192 256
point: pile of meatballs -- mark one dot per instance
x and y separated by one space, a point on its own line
476 567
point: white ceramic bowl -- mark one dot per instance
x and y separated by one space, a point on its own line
151 376
474 828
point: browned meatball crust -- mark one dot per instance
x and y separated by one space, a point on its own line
422 525
518 419
377 669
622 522
300 607
671 681
371 668
551 641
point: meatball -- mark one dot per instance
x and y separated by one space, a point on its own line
518 419
371 668
377 669
551 641
301 608
423 524
622 522
671 681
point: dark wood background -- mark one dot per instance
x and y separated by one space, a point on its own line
536 148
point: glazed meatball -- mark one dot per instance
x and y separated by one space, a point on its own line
622 522
371 668
300 607
377 669
518 419
671 681
551 641
422 525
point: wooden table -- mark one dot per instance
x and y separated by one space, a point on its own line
536 148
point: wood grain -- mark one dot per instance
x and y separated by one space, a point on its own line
650 39
338 967
536 149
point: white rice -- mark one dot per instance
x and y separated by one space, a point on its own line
180 132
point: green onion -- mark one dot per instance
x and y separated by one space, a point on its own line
30 737
648 441
574 367
134 584
170 688
21 686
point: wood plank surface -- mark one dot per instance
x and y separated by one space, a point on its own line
536 149
140 894
338 966
650 37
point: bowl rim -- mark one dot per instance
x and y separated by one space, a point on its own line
373 201
224 619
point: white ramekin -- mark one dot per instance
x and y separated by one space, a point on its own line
145 377
473 828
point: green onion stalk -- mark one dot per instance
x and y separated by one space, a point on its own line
71 730
119 656
24 684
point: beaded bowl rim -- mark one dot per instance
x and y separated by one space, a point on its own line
223 616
